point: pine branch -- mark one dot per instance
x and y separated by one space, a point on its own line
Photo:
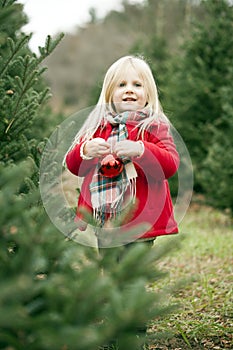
6 3
49 46
44 96
14 49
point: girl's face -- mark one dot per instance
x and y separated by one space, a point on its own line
129 94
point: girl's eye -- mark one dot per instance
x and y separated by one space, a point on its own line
123 84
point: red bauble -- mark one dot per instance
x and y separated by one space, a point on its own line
111 166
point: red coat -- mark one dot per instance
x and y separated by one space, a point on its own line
159 161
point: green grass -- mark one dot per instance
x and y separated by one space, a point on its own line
204 319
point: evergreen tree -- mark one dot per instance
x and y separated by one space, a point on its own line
217 172
21 88
198 78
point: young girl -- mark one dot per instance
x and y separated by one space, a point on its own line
125 153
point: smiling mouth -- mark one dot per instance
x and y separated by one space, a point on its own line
129 99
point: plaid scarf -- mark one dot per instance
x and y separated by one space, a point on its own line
107 194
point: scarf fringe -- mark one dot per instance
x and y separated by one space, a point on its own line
110 211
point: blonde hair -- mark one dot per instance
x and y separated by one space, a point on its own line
105 105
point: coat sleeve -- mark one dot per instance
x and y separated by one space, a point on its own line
160 158
76 164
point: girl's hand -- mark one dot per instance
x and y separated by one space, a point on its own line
128 148
97 147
